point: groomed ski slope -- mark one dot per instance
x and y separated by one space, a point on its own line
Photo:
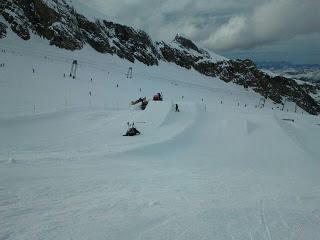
215 170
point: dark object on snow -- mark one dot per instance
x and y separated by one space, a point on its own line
144 102
132 131
129 73
288 119
74 66
158 97
177 108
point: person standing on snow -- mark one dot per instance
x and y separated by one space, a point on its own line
177 108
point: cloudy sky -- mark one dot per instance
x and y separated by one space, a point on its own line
272 30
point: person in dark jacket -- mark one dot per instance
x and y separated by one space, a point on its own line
177 108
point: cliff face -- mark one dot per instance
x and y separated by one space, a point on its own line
63 27
3 30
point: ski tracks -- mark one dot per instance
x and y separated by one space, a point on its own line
264 220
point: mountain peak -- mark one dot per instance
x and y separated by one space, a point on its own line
186 43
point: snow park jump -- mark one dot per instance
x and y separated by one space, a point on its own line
147 140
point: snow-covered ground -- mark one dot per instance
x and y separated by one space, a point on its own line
219 169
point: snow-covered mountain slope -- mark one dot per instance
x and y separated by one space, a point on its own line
65 27
221 168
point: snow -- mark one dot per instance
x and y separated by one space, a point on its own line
215 170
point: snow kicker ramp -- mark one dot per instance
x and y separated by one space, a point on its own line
159 123
67 135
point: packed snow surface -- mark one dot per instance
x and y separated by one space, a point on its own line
221 168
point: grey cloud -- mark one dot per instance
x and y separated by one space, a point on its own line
273 21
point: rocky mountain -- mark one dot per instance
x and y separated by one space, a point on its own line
3 30
59 23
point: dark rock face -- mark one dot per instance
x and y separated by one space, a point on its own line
186 43
93 34
63 27
180 58
280 87
131 44
186 55
55 23
14 15
3 30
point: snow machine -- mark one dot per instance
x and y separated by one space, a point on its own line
158 97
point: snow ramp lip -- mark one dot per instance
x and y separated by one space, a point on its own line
173 127
155 114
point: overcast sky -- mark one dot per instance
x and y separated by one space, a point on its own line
272 30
